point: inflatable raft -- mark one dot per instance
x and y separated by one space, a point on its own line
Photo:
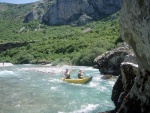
78 81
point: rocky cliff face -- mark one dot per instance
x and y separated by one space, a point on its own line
38 10
78 12
30 16
133 95
67 11
109 63
135 28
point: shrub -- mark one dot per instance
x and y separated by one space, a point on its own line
61 61
25 59
87 56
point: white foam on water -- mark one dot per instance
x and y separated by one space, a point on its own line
97 86
111 83
93 84
17 106
54 88
55 80
97 78
107 104
6 73
51 85
103 89
79 67
89 69
51 70
86 108
27 64
48 65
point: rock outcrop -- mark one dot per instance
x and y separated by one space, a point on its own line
135 29
66 11
130 58
137 97
131 93
29 17
109 63
124 83
8 46
83 19
108 76
38 10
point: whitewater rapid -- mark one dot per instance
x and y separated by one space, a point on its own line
39 89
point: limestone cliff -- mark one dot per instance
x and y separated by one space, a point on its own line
38 10
131 92
133 95
66 11
135 28
59 12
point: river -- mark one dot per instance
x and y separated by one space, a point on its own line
24 89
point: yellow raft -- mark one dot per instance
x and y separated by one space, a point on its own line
78 81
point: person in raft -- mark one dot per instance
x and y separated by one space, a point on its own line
67 74
80 74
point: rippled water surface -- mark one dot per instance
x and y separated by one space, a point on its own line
27 91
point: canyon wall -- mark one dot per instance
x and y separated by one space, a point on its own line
134 93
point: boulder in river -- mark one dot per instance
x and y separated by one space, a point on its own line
109 63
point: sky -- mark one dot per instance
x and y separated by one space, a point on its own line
18 1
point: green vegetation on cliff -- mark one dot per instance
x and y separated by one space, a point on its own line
76 45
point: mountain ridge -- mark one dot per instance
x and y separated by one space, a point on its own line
61 12
80 44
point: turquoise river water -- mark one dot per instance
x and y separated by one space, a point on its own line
28 91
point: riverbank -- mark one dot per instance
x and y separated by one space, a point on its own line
5 64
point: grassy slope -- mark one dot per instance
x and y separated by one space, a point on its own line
76 45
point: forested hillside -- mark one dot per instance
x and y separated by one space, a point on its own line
66 44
